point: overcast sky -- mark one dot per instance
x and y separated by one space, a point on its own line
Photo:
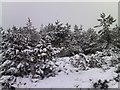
80 13
0 13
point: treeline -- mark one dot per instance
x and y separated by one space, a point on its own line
27 51
83 41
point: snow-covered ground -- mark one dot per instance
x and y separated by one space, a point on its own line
70 77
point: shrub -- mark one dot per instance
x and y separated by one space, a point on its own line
101 85
79 61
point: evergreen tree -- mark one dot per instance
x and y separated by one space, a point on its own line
41 61
21 55
88 41
56 34
105 32
116 36
76 39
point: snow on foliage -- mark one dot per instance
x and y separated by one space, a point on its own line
58 57
79 61
71 77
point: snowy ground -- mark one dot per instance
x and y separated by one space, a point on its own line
69 78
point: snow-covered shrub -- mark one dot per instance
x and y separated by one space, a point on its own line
117 68
95 61
117 78
101 85
101 59
6 82
111 57
79 61
64 65
115 59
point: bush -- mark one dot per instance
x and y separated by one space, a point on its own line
96 60
79 61
101 85
6 83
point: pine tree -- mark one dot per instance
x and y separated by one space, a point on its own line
25 53
57 34
42 63
84 41
14 44
105 32
116 36
88 41
76 39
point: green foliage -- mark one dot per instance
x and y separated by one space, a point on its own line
105 34
79 61
24 52
57 34
101 85
88 41
116 36
25 46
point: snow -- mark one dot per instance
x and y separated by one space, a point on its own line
44 54
12 69
39 45
83 79
27 50
77 56
4 78
44 49
56 50
6 62
70 77
0 56
20 65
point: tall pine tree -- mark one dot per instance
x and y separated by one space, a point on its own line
105 33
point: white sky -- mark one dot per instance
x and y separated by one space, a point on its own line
0 13
80 13
59 0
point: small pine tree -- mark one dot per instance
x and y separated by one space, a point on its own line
42 60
